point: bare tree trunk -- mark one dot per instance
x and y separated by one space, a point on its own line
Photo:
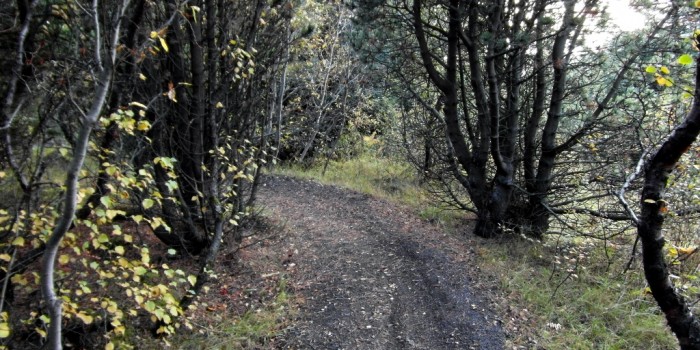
545 168
324 91
657 170
280 95
121 92
103 81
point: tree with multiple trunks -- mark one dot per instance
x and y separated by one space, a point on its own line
505 95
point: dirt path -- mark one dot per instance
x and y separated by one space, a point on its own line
373 276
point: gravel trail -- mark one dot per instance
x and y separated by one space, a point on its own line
372 275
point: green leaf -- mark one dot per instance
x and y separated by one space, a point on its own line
685 59
172 185
651 69
19 241
150 306
63 259
147 203
106 201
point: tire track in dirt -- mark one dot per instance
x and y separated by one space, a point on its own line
373 276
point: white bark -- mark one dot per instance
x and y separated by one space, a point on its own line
104 79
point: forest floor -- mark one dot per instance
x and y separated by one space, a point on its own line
368 274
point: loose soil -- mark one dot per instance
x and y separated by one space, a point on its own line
368 274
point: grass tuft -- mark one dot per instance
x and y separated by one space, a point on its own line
380 177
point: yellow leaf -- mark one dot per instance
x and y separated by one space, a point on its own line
2 174
138 104
154 35
163 44
650 201
663 81
41 332
5 257
142 77
111 213
173 310
119 250
192 279
672 252
687 250
63 259
665 70
109 346
143 125
4 330
19 241
119 330
697 3
219 105
87 319
19 279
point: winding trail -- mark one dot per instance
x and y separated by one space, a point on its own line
374 276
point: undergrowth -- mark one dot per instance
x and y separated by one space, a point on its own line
579 297
254 329
377 176
586 302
